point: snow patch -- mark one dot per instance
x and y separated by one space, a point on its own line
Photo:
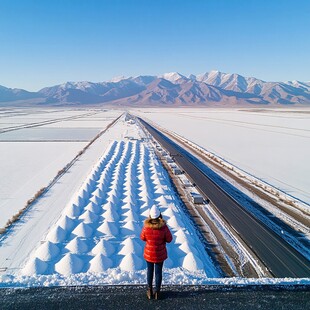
100 228
69 264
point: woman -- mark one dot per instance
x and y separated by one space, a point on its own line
156 233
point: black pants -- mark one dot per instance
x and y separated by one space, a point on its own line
158 274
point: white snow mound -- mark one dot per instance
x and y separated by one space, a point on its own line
131 245
66 223
77 245
47 251
56 235
103 247
35 266
131 262
83 230
89 217
109 228
69 264
192 263
100 263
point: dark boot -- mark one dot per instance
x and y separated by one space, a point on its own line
157 295
149 293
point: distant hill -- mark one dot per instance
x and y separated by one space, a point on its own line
170 89
13 94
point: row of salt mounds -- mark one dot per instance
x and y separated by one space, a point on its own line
76 227
100 227
51 251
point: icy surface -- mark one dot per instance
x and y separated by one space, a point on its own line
27 165
273 145
97 235
86 230
110 238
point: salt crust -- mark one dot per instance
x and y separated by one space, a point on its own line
100 228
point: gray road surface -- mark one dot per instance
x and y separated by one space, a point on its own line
173 297
281 258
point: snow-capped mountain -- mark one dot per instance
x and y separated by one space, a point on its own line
172 88
174 77
87 92
13 94
233 82
270 92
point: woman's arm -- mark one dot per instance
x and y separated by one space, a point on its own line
142 235
168 235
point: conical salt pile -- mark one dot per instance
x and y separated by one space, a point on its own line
113 199
160 190
73 211
77 246
175 222
146 213
93 208
109 229
98 193
103 185
35 266
162 201
100 263
110 215
147 202
133 227
169 212
158 181
78 201
109 205
115 191
131 246
89 217
47 251
192 263
130 206
130 215
145 194
103 247
181 237
131 262
69 264
56 234
96 200
83 230
188 248
130 199
85 195
66 223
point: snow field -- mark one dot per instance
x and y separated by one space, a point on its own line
246 140
31 157
26 167
99 229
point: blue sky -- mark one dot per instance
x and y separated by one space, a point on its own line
48 42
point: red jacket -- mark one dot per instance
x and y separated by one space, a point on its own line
156 234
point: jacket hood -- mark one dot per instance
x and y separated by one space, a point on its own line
154 224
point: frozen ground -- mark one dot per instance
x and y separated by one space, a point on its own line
26 167
31 157
273 145
95 238
85 230
173 297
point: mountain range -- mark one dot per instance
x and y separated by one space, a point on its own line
170 89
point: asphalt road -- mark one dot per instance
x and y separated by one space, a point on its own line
173 297
281 259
